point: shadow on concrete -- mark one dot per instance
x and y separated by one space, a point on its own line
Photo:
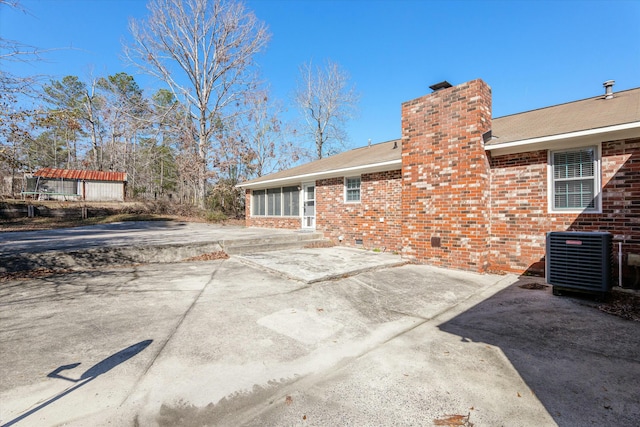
582 364
89 375
50 286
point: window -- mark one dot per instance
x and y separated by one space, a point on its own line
575 180
276 202
259 202
291 201
352 189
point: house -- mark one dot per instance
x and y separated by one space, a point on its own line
462 190
69 184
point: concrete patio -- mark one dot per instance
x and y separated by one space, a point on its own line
326 336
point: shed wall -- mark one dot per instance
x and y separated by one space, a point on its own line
103 191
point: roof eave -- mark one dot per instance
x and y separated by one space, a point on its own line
334 173
608 133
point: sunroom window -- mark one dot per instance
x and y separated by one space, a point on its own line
283 201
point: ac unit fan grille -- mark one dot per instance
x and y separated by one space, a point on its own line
580 261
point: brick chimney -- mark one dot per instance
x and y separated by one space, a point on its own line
445 177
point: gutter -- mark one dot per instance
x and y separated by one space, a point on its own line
375 167
569 135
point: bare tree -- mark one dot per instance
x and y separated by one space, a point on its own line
203 50
268 140
15 119
327 101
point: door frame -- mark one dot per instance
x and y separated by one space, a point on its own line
308 225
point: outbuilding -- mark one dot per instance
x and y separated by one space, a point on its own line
71 184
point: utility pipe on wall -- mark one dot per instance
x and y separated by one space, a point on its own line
620 264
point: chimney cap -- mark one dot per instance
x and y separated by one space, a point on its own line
442 85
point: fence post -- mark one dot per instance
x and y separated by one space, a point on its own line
30 211
84 212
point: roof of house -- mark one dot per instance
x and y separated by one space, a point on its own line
372 158
81 174
586 114
597 114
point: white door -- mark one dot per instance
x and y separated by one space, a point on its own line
309 206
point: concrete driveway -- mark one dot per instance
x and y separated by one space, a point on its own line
282 339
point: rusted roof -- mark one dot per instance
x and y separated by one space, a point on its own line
81 174
586 114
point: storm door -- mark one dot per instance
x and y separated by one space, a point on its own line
309 206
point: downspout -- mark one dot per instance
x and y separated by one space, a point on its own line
620 264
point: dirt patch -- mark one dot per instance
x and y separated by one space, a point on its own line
31 274
533 285
100 213
321 244
208 257
45 223
622 304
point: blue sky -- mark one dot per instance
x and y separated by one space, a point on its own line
532 53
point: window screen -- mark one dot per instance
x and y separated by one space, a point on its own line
259 202
274 201
291 201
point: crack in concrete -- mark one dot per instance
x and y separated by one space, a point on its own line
172 333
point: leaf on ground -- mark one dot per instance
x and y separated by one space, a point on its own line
454 421
288 400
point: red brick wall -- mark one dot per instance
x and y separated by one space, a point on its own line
292 223
519 206
445 172
519 210
380 195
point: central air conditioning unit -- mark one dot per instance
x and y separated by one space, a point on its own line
579 262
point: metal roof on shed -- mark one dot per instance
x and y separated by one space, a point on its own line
88 175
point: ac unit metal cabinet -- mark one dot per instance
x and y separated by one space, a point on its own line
579 261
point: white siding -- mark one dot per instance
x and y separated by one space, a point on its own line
104 191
